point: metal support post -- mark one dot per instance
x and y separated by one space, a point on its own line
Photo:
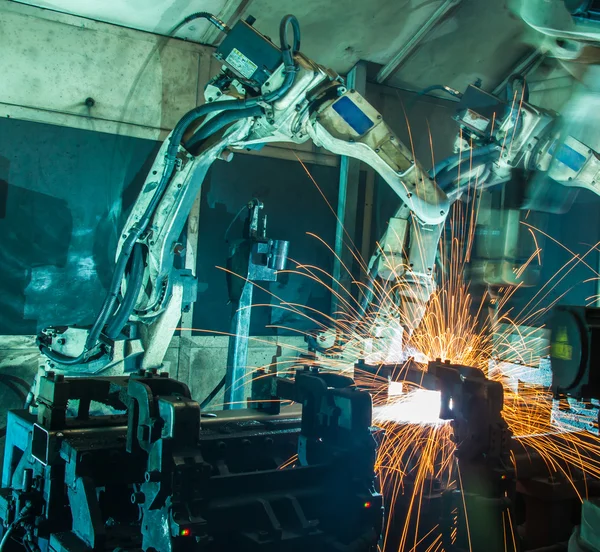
237 355
347 200
252 259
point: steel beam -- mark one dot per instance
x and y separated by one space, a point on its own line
347 199
237 355
526 65
365 247
406 51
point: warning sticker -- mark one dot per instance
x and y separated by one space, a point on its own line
243 65
561 349
475 120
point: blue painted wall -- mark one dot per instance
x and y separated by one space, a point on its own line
64 193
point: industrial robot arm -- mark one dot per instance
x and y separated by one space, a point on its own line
350 126
263 94
546 156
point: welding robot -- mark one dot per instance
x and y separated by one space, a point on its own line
273 93
264 93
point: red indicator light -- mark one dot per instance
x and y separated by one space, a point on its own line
367 504
185 532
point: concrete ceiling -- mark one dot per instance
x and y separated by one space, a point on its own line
481 39
477 39
155 16
338 33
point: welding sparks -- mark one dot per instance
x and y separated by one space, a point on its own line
417 452
420 406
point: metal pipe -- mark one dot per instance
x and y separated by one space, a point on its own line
402 55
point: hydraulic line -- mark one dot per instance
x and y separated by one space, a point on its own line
136 274
201 15
447 178
213 393
219 122
461 156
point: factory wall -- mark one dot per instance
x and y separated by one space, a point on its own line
80 73
66 192
65 195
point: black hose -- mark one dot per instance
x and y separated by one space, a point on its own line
446 178
213 393
509 88
460 156
283 29
441 88
221 121
21 394
9 531
25 513
201 15
138 229
136 274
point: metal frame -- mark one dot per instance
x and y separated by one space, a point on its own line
347 194
407 50
524 67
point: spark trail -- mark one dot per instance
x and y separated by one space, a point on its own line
416 458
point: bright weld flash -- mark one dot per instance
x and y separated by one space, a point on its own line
395 388
420 406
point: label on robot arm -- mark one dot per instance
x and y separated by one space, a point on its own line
568 155
244 65
358 121
475 120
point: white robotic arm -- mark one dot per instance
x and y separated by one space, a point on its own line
279 95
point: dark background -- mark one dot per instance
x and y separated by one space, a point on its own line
64 193
294 206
